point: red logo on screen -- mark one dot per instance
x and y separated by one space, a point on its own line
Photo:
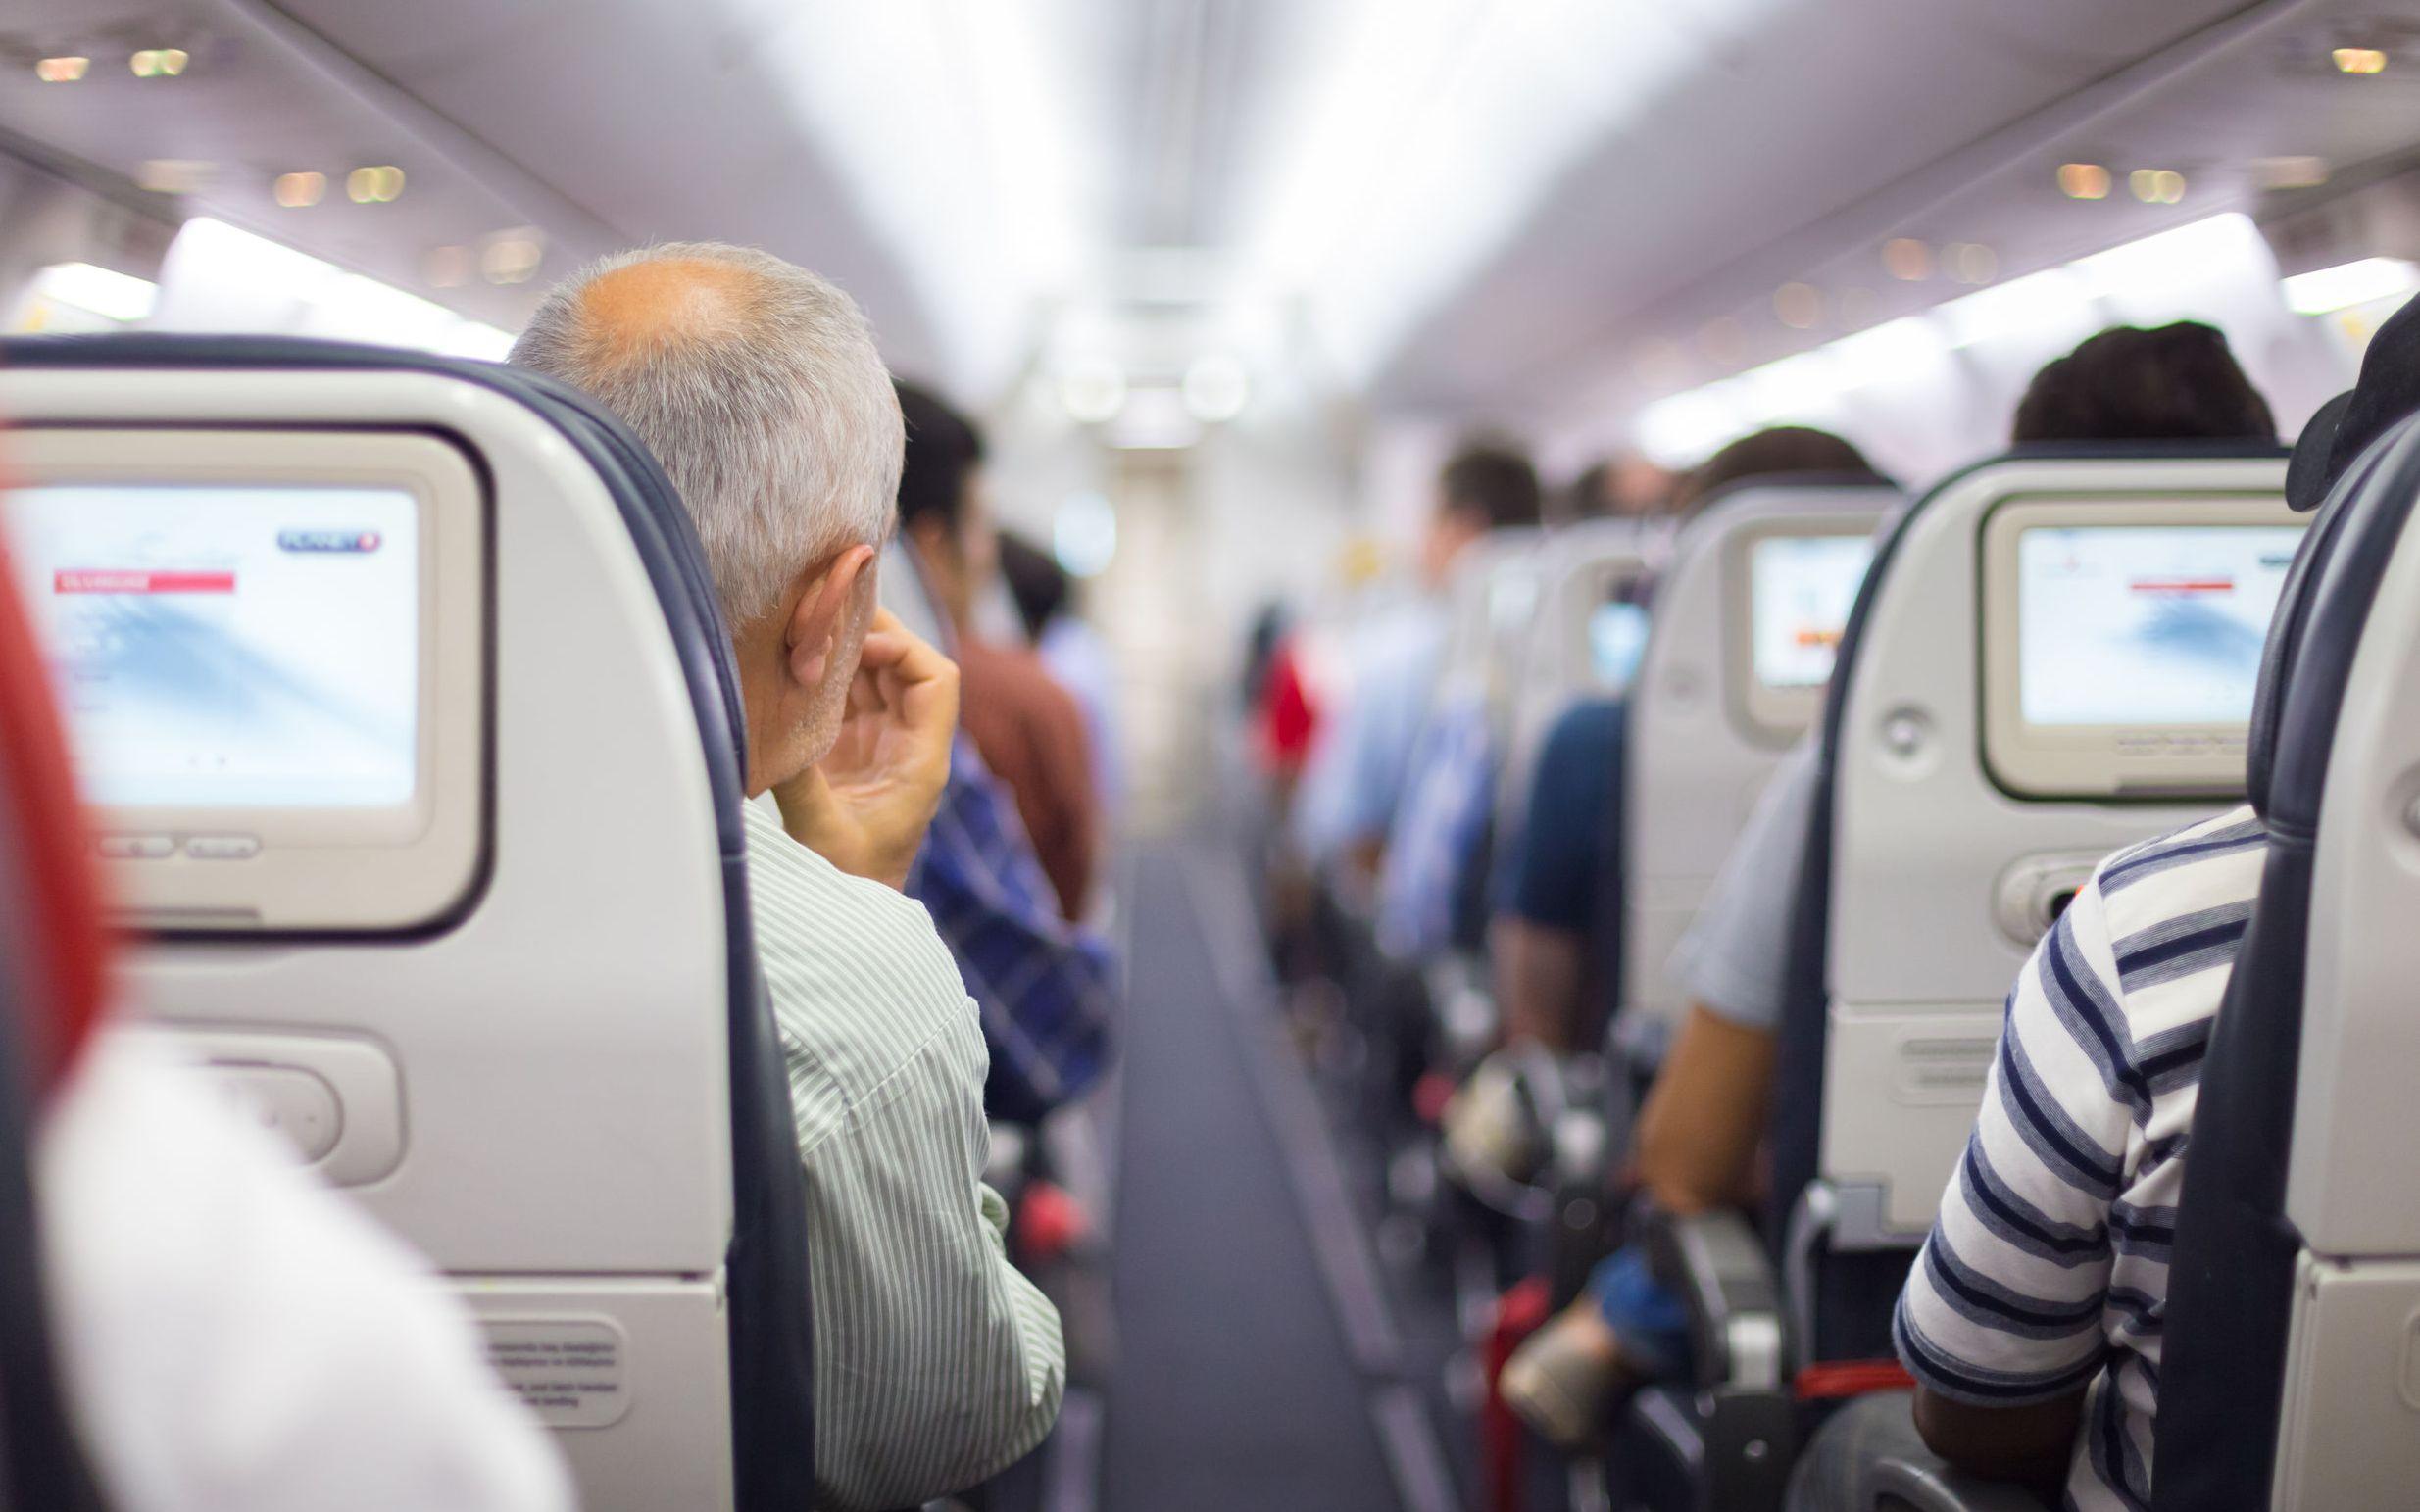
106 580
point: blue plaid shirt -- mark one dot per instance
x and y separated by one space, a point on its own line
1044 987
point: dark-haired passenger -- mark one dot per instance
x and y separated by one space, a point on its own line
1030 730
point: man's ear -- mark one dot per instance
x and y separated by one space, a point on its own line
813 635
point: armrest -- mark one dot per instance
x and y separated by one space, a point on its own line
1719 1269
1925 1484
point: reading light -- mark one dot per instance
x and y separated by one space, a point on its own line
60 71
2360 60
1797 305
2084 180
299 191
1907 259
374 185
2348 284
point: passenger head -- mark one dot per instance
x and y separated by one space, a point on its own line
757 387
1036 581
2177 382
1485 486
943 508
1783 450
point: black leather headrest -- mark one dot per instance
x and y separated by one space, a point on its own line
2346 427
2285 626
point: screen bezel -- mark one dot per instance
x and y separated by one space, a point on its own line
371 869
1769 714
2098 762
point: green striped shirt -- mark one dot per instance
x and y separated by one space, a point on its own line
937 1364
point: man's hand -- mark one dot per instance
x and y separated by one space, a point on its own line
865 807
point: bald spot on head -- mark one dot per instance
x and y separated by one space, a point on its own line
651 306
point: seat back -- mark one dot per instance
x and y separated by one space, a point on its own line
2291 1275
1704 733
1584 639
553 1071
1996 730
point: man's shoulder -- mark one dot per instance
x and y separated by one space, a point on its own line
2159 928
860 979
2211 864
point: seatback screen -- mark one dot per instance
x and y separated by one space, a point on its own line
2146 625
220 647
1616 640
1801 590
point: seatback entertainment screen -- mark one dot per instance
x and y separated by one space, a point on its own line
1801 590
1616 641
2146 625
221 647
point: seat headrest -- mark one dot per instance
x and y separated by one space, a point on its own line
2286 627
2345 427
59 942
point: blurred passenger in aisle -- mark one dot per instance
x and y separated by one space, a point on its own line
1030 729
1072 651
1354 777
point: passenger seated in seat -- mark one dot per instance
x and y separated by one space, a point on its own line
1704 1120
2032 1320
758 386
1030 729
1360 762
1548 905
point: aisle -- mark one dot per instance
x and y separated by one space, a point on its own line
1254 1349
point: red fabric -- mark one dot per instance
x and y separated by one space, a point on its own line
62 924
1519 1313
1288 717
1833 1380
1031 733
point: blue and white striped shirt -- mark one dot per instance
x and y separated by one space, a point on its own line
2048 1268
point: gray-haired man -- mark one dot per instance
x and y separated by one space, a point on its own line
758 386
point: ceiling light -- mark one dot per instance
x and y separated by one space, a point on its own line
104 291
175 175
1970 262
1154 418
2154 265
2350 283
1907 259
298 191
1084 534
1796 388
159 62
1216 388
2359 60
1797 305
2084 180
2157 186
374 185
1892 350
2037 303
1093 391
60 71
511 256
1685 429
